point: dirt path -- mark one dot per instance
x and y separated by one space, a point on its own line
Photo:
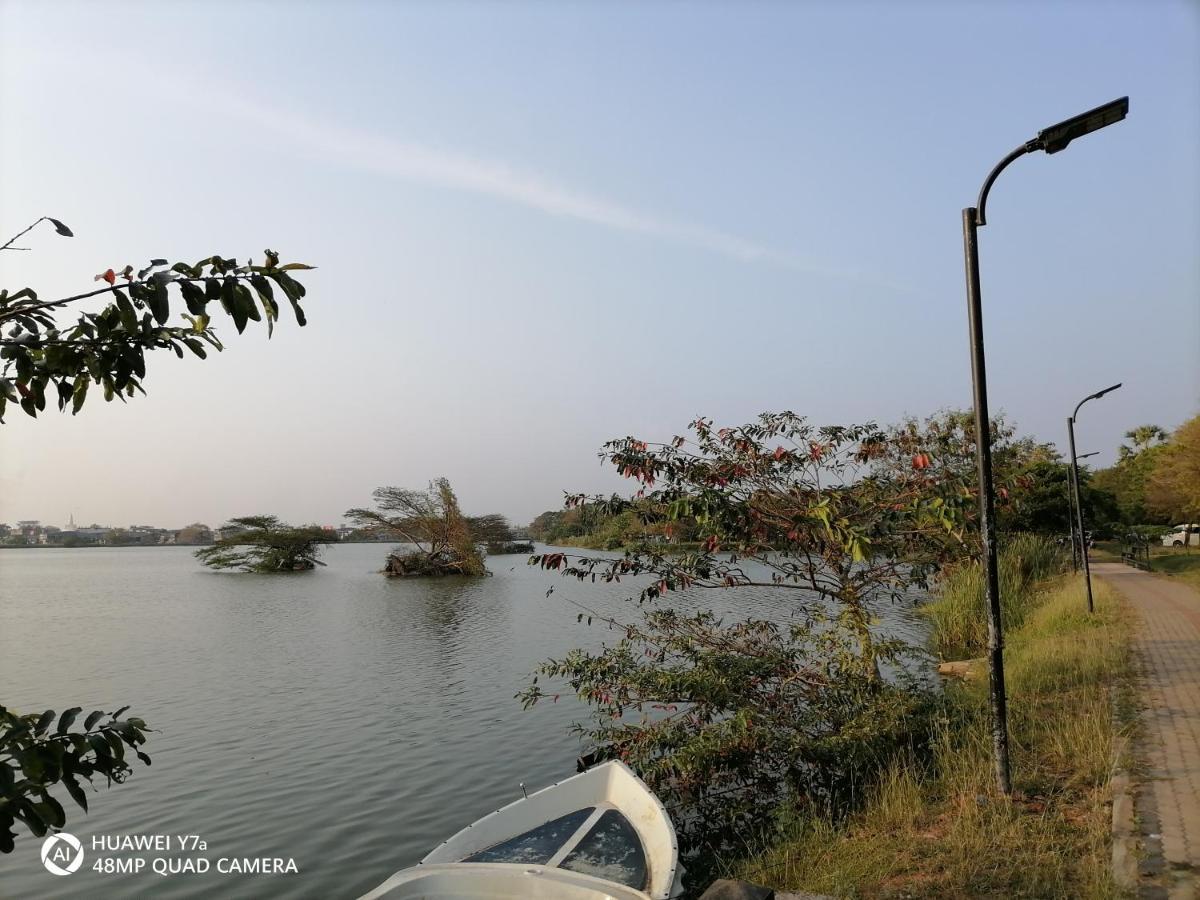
1167 802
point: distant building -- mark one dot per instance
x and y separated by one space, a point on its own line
148 535
196 533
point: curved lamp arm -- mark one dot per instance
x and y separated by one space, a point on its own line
1095 396
1027 147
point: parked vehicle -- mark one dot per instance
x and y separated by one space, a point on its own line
600 835
1180 535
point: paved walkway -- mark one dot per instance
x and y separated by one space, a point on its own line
1167 802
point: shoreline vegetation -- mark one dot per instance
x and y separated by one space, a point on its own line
931 824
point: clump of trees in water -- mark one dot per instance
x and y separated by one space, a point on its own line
265 544
443 540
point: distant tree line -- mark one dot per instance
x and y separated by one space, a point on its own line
1153 483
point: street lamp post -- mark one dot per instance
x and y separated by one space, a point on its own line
1052 140
1071 501
1083 554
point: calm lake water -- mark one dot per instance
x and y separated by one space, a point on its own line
339 718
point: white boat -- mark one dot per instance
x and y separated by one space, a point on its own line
599 835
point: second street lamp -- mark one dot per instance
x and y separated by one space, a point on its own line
1051 140
1087 568
1071 501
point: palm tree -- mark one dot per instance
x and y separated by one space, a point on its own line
1143 437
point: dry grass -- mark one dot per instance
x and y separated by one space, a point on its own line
937 828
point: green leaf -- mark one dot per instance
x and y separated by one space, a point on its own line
294 291
99 743
76 791
92 719
245 301
38 388
32 765
77 398
67 718
231 304
65 389
43 721
159 301
126 311
193 297
284 268
114 741
267 295
51 811
27 814
60 227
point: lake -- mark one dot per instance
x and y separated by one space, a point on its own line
338 718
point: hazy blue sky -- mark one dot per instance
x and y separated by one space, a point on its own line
540 226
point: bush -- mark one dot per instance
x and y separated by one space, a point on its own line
741 724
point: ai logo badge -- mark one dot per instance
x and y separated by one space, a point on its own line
62 853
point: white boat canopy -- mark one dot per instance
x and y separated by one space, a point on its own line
600 834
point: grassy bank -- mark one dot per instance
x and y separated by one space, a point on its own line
1178 564
933 826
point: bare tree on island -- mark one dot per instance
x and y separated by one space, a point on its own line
445 541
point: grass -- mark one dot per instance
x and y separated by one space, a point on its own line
935 826
957 619
1177 563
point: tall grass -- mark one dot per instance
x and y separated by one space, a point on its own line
934 826
959 617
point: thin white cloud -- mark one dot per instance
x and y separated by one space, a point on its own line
341 145
360 150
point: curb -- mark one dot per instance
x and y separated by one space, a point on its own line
1124 833
1126 836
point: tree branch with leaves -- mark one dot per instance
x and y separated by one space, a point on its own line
41 356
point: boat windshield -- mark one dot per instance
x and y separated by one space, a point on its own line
612 851
537 845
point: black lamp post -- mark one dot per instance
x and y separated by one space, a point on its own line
1071 513
1083 554
1051 139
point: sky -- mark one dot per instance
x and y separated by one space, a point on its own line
541 226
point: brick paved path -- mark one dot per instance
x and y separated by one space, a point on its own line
1168 800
